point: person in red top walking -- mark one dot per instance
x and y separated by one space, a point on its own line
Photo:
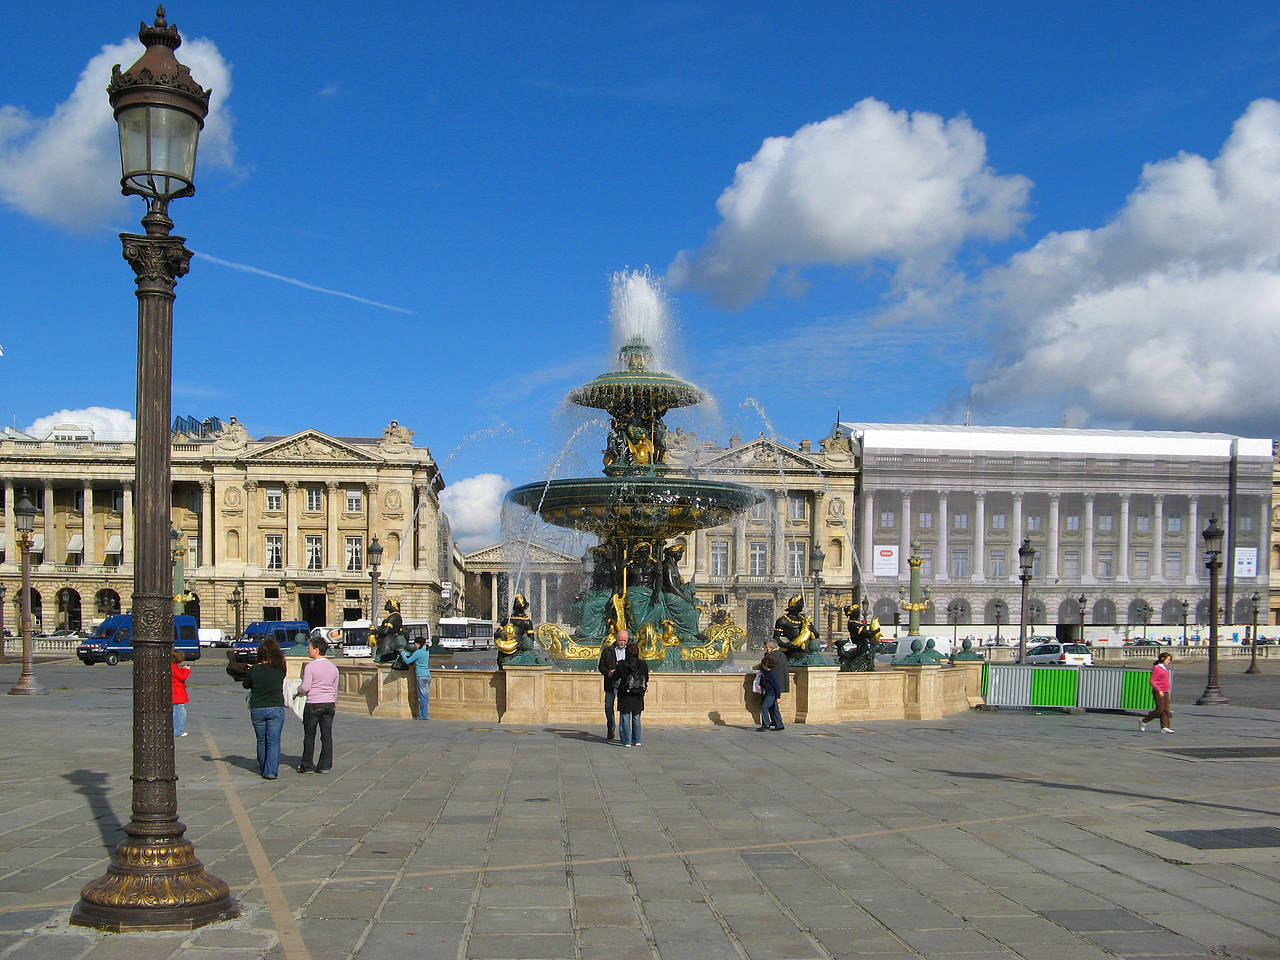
1161 685
178 677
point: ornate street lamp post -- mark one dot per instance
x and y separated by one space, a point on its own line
954 609
1082 600
1026 562
816 560
154 881
237 601
1254 601
3 600
375 557
1213 554
24 518
918 599
1001 609
1186 612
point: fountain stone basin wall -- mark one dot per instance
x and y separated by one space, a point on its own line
537 694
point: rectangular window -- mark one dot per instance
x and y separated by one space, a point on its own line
795 508
959 563
888 519
997 566
193 552
1105 562
795 559
354 555
1104 522
1142 523
1173 523
1246 522
998 521
1141 565
1173 565
926 563
355 501
274 554
757 558
1071 564
77 501
271 613
195 501
961 521
926 521
117 501
275 499
720 559
1033 522
1036 570
757 511
1073 522
315 499
315 552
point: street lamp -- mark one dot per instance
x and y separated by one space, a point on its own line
1083 604
154 881
1001 610
954 609
816 559
3 599
1186 612
24 518
375 557
1026 560
1254 601
237 601
1213 554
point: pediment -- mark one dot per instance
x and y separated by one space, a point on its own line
506 554
759 455
310 445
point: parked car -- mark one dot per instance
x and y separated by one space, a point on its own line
286 632
113 640
1146 643
1060 654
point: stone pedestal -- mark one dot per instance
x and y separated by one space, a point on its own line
922 695
524 694
814 689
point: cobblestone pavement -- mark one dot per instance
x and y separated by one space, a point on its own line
991 834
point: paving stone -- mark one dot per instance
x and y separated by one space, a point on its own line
423 941
517 947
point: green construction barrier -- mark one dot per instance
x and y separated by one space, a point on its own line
1055 687
1135 694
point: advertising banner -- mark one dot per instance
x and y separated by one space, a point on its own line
885 562
1246 561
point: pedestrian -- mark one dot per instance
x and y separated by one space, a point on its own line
420 658
771 687
320 685
784 675
610 657
633 681
265 683
1161 687
178 681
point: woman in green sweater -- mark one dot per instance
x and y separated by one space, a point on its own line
265 682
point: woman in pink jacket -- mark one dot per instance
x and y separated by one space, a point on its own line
1161 684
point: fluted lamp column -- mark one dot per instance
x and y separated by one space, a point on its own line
24 518
154 881
1213 561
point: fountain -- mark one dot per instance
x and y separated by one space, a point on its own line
638 509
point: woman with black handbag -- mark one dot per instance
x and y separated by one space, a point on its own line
634 674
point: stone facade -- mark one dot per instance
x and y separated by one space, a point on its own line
288 518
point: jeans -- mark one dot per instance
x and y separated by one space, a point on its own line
267 724
629 728
179 719
317 715
424 695
610 717
770 715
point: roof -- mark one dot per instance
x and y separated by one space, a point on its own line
1054 440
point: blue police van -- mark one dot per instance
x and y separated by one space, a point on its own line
113 640
286 632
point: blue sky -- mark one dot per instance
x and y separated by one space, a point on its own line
1050 213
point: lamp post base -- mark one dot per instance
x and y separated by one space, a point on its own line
27 686
1212 697
154 885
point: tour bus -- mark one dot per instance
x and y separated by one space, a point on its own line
465 633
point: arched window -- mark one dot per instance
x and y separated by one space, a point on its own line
1104 612
884 609
959 611
1069 611
835 552
106 602
993 607
1202 611
192 607
1140 612
233 544
1244 610
69 608
1036 613
1171 612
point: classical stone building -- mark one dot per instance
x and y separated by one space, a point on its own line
549 579
287 518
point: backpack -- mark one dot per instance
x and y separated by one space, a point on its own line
635 683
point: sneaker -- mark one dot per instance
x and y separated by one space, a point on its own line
325 770
639 744
1166 729
302 769
627 745
759 729
183 733
1142 726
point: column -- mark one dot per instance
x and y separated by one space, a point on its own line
542 596
252 539
942 562
779 537
904 524
1086 553
1017 534
1122 561
206 524
90 554
1157 538
427 538
371 525
10 530
1264 546
1191 567
335 551
493 597
126 522
1051 544
50 555
739 567
867 559
980 536
293 557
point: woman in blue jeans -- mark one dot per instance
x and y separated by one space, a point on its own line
265 682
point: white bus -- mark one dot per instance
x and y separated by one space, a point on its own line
465 633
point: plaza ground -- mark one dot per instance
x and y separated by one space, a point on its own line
988 834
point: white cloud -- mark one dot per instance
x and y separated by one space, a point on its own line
868 185
64 169
474 506
107 422
1166 315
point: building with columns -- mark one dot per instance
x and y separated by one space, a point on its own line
549 580
288 519
1115 516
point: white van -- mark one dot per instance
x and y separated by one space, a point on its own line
890 650
212 637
